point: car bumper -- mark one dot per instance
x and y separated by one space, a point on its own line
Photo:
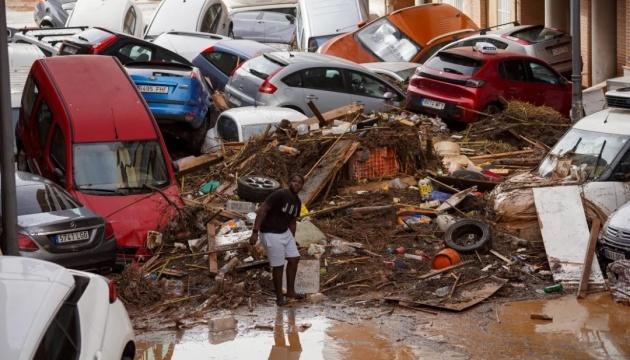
100 257
451 110
192 116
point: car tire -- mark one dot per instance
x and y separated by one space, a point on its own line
468 235
492 109
256 188
468 175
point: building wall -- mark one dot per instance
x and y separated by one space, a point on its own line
530 11
585 40
623 35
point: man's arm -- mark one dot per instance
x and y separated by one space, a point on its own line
261 214
293 226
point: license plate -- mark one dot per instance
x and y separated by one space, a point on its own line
153 89
613 255
71 237
70 50
559 50
433 104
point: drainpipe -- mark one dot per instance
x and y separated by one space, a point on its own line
577 109
7 167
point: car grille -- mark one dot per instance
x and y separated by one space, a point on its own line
618 237
618 101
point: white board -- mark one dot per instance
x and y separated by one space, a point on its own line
607 195
565 233
307 278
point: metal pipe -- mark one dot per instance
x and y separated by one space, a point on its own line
7 167
577 108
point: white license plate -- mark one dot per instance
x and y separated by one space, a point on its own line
433 104
71 237
613 255
153 89
559 50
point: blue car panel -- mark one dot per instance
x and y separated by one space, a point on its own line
219 61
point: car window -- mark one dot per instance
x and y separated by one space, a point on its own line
454 64
129 25
622 170
541 74
30 95
323 79
513 70
36 199
227 129
365 85
261 67
294 80
58 149
210 20
223 61
537 34
387 42
44 120
135 52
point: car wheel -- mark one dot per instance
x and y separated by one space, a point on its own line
468 175
256 188
492 109
468 235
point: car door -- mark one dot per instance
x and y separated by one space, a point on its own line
515 82
371 92
57 156
326 88
248 25
42 119
279 27
549 86
218 67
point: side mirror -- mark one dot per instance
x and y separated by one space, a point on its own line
60 176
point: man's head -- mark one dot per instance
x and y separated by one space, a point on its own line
295 183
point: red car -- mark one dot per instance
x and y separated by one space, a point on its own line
457 80
84 125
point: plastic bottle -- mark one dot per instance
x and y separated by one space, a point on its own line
425 187
553 288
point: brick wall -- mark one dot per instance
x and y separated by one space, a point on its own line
21 4
585 40
623 34
531 11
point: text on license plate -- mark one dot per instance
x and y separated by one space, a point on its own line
559 50
70 237
613 255
433 104
153 89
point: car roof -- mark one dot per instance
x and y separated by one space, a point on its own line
391 65
254 115
248 47
33 291
104 112
187 44
292 57
470 52
98 13
610 120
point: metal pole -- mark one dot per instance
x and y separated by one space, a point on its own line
7 167
577 108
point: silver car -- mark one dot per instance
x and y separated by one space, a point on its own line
52 13
53 226
551 45
292 79
614 239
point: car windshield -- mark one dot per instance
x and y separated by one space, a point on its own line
387 42
119 167
35 199
406 73
454 64
537 34
595 151
316 41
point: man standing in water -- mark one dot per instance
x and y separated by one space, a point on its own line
276 222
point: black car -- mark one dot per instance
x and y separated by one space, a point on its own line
126 48
55 227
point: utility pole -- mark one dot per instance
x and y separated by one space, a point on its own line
7 167
577 108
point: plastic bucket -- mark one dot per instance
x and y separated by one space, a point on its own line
445 258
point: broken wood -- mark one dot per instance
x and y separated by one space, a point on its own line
370 209
407 305
498 254
226 269
335 114
501 155
331 209
473 281
191 163
450 293
541 317
331 279
588 259
433 273
350 260
218 100
317 113
213 264
346 283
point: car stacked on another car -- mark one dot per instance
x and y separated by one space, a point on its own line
52 13
293 79
459 83
178 98
187 44
123 16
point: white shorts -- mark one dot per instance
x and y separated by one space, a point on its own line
279 247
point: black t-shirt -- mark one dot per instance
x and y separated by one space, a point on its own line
284 207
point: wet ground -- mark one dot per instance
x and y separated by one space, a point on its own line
595 328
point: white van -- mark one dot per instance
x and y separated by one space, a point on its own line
117 15
318 21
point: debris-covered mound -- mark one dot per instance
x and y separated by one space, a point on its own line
136 289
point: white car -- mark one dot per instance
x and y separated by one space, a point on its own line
187 44
50 312
117 15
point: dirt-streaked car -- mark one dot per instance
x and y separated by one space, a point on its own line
52 13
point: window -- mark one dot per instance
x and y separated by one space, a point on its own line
513 70
261 67
223 61
44 120
129 26
542 74
364 85
504 11
30 95
622 170
135 52
227 129
386 42
454 64
323 79
36 199
537 34
294 80
211 18
58 149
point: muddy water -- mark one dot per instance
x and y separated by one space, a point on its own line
595 328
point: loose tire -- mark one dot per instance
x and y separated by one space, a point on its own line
256 188
468 235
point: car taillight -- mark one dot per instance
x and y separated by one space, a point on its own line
208 50
267 87
98 48
113 292
25 243
474 83
109 231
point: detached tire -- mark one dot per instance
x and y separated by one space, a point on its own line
468 235
256 188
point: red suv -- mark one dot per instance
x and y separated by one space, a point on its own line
84 125
477 78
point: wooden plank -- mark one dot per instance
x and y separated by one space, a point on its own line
322 173
565 233
213 264
334 114
433 273
588 259
500 155
191 163
317 113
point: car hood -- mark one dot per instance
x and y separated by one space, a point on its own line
620 219
132 216
31 292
